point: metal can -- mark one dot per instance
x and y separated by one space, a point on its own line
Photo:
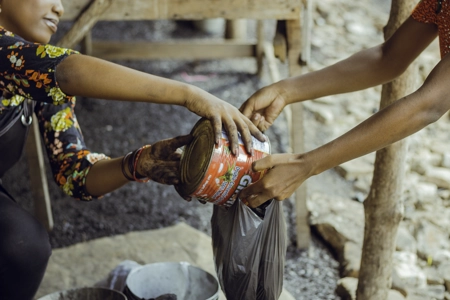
211 173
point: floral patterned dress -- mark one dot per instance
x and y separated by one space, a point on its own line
27 79
436 12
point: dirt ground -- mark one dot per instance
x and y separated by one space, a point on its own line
115 128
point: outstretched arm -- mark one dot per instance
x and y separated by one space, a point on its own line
395 122
92 77
159 162
362 70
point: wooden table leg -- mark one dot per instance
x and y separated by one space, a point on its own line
84 23
260 31
38 178
236 29
294 46
86 44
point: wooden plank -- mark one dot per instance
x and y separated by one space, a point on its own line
294 44
86 44
307 22
38 178
269 53
236 29
84 23
200 49
260 32
280 47
122 10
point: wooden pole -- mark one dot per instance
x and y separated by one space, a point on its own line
84 23
38 178
294 47
236 29
383 207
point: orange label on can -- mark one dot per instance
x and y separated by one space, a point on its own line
228 174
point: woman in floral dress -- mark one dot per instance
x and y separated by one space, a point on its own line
37 77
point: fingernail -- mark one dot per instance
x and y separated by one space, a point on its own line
256 117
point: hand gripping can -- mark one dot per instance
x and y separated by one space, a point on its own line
211 173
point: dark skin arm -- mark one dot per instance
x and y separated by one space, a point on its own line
91 77
362 70
95 78
160 163
397 121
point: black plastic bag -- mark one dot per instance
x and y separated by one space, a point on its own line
249 251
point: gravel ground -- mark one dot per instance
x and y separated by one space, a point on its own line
115 128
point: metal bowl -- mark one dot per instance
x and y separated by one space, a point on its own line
177 278
87 293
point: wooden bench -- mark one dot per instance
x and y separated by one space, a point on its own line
293 21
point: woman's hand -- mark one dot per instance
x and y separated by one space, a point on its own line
224 115
286 172
161 161
264 106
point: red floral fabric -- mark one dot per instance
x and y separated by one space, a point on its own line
427 11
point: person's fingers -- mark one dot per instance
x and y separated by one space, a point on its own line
263 163
264 124
246 137
155 169
269 162
254 197
175 156
166 148
256 118
258 200
165 175
255 131
180 141
233 137
216 123
171 180
250 192
247 109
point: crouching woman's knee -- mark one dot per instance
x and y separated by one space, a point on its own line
25 248
24 251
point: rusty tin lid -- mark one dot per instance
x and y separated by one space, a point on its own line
196 157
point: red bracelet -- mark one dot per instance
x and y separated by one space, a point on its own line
138 154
